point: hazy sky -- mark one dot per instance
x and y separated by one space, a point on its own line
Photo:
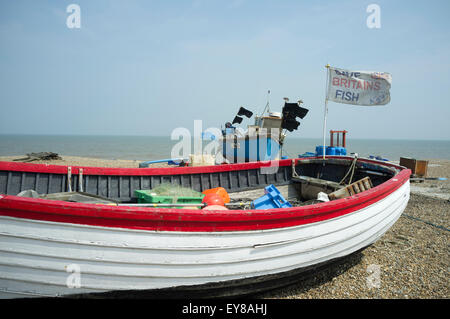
147 67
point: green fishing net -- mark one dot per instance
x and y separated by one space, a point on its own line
168 189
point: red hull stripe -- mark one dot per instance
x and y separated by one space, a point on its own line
190 220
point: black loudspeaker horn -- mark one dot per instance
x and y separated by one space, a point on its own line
292 109
290 124
237 119
243 111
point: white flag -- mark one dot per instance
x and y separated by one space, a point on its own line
359 87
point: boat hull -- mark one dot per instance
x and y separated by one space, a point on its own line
48 249
44 258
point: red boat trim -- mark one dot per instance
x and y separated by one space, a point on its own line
185 219
62 169
87 170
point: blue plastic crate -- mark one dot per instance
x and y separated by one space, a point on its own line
341 151
319 150
330 150
271 199
379 158
307 154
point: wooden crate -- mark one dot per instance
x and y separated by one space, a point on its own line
418 168
352 189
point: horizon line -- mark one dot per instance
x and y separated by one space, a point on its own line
151 135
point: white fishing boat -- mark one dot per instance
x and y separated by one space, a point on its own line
60 248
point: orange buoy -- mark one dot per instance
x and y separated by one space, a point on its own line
215 207
213 199
219 191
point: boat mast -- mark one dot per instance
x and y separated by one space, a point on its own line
267 105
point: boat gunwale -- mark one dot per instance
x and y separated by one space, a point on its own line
152 171
163 219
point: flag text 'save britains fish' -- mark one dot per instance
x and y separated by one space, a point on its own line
359 87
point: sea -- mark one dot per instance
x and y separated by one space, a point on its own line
146 148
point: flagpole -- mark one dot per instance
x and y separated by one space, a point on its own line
326 109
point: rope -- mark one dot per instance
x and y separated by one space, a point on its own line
351 169
399 240
294 172
424 221
289 153
406 240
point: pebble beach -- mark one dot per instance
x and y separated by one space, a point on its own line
411 260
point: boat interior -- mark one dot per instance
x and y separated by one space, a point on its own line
300 182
